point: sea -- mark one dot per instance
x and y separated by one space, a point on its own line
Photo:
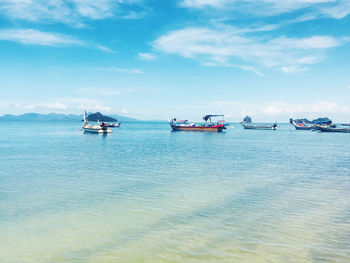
146 194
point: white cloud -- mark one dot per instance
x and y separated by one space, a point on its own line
56 106
227 46
65 11
106 49
322 107
25 106
293 69
325 107
76 103
99 91
219 62
31 36
279 110
283 4
73 101
96 107
124 111
334 8
314 42
122 70
146 56
135 15
252 69
104 91
63 105
338 11
204 3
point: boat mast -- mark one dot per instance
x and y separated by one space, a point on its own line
84 118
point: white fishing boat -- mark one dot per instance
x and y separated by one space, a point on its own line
100 127
259 127
113 125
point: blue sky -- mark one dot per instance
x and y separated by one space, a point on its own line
270 59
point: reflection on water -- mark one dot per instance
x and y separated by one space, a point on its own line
145 194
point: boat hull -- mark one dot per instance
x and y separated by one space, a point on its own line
216 128
259 127
328 129
303 128
95 130
114 125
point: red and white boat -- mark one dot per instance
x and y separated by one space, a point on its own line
207 126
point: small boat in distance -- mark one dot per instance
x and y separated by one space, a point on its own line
305 124
207 126
113 125
98 116
259 127
333 129
302 125
100 127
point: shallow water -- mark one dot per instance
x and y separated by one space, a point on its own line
146 194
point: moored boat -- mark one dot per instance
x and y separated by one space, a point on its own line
100 127
259 127
302 125
207 126
113 125
334 129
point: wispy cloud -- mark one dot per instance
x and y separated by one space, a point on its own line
95 108
63 105
293 69
322 107
280 109
28 36
104 91
106 49
249 68
242 67
146 56
66 11
31 37
32 106
121 70
339 10
333 8
227 46
135 15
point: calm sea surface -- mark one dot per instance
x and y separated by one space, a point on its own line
146 194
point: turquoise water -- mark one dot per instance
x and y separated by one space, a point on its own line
146 194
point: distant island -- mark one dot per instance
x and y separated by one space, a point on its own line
58 117
98 116
247 119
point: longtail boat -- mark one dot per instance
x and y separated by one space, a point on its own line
207 126
334 129
259 127
302 125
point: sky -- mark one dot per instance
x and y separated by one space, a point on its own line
154 59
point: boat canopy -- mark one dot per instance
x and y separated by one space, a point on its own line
207 117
